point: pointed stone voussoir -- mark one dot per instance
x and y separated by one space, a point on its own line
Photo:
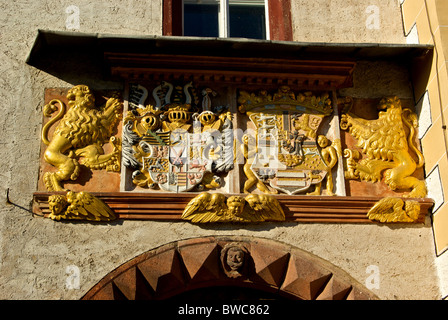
270 263
201 260
164 273
304 278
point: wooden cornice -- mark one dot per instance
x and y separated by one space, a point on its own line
169 206
231 70
225 60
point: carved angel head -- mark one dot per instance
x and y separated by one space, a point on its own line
235 205
57 203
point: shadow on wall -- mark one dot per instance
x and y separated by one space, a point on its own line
75 61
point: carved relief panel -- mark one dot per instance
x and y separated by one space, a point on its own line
180 141
382 157
287 153
234 154
81 139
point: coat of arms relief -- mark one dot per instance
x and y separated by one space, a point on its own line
181 143
180 138
287 154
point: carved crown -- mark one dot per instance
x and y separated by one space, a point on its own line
285 99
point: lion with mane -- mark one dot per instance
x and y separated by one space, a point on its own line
81 133
385 148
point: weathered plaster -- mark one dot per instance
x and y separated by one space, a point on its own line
358 21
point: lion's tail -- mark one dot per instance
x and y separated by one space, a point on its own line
49 109
408 117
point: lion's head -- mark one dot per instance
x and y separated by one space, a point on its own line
80 96
389 103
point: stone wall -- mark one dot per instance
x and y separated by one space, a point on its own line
37 255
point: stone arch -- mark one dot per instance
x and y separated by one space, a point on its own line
187 266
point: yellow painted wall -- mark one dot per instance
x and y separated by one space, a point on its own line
430 17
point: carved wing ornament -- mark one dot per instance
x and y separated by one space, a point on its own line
79 206
216 207
391 209
175 138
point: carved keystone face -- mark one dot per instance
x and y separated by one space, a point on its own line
235 258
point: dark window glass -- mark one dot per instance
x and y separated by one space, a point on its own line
247 21
201 20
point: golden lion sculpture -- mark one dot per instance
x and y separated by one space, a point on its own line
80 135
385 146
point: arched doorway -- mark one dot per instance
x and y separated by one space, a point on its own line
227 267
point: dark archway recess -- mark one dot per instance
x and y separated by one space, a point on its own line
194 269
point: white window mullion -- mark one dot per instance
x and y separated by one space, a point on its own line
224 18
266 13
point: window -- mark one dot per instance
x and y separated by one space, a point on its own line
256 19
225 18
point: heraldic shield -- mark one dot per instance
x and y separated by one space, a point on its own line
176 162
179 142
287 156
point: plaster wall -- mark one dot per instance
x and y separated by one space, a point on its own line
345 21
38 256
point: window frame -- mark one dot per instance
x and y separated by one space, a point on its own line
224 18
277 12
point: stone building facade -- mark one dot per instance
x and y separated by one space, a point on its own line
349 53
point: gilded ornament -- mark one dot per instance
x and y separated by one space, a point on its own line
285 99
216 207
393 209
385 148
79 206
178 144
252 179
80 135
284 155
330 155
